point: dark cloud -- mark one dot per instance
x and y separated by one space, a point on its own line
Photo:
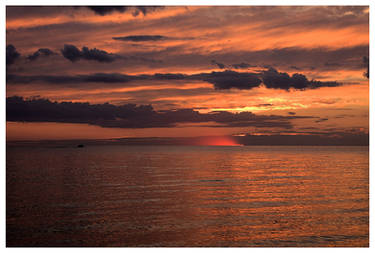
321 120
230 79
166 76
97 55
278 80
93 78
12 54
367 65
220 65
142 38
139 38
40 52
221 80
265 105
242 65
73 54
104 10
136 10
131 115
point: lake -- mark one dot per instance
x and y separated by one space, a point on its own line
177 196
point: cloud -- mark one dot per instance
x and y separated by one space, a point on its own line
230 79
367 65
242 65
105 10
224 80
278 80
139 38
59 80
220 65
321 120
11 55
40 52
143 38
97 55
131 115
166 76
73 54
200 54
293 58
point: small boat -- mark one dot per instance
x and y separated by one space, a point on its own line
80 146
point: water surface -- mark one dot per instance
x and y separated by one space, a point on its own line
113 195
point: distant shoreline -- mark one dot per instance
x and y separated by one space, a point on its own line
278 140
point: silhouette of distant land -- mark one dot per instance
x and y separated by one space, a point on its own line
247 140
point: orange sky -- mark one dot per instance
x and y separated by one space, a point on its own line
325 44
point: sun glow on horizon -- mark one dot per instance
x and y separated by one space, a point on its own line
216 141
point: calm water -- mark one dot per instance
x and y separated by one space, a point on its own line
187 196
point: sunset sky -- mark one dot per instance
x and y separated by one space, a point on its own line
186 71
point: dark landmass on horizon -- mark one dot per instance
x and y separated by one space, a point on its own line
248 140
